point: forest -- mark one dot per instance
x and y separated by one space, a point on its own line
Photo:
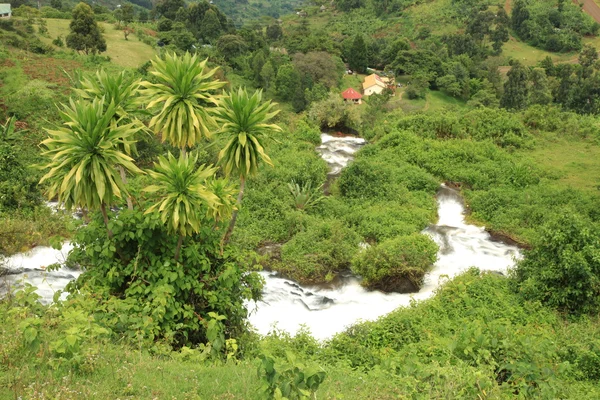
173 148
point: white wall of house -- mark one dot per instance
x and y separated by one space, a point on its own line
376 89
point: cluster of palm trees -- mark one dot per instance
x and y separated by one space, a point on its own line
91 153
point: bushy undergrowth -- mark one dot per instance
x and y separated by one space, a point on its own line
144 295
476 337
398 264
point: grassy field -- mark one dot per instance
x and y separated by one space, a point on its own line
126 53
119 372
576 162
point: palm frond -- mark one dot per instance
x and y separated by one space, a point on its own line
183 94
183 191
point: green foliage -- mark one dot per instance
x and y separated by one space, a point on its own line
554 29
325 247
244 124
85 35
183 193
397 265
357 59
305 196
182 95
144 296
516 91
563 270
84 154
289 379
307 132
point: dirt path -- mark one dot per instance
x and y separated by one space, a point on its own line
508 6
590 7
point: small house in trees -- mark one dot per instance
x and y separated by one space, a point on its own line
352 96
373 84
5 11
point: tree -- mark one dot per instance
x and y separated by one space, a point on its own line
183 92
85 35
127 13
183 194
57 4
274 32
516 93
244 123
540 91
286 82
211 26
357 59
169 8
231 46
84 155
143 16
320 66
119 90
267 73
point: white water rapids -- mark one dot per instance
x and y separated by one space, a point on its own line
327 309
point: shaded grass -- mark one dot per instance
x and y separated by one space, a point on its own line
126 53
577 163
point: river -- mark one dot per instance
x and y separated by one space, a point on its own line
328 309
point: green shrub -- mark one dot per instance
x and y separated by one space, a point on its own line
145 295
562 269
315 254
306 132
397 265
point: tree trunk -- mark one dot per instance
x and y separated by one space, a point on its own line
234 214
124 179
105 215
178 249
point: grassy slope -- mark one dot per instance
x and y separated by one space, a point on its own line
576 162
126 53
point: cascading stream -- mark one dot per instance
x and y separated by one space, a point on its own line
327 309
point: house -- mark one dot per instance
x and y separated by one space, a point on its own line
373 84
352 96
5 11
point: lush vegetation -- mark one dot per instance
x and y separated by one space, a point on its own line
184 173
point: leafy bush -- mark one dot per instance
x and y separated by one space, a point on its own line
397 265
145 293
563 268
315 254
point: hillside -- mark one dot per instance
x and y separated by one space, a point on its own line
236 229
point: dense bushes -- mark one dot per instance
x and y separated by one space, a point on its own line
563 268
148 296
397 265
317 253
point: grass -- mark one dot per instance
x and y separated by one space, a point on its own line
126 53
122 372
577 163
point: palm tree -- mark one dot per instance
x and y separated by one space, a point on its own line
244 122
84 154
183 192
119 89
183 92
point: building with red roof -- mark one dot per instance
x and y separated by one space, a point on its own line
351 95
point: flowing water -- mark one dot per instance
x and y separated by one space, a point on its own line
326 309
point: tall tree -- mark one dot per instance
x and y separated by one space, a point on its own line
182 93
85 35
169 8
516 92
184 192
244 123
287 82
540 90
357 59
84 154
211 26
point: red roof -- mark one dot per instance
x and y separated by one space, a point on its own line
351 94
